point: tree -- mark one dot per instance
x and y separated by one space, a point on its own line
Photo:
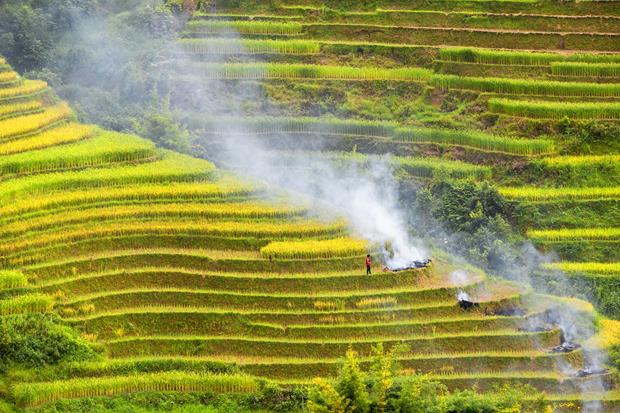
351 384
381 378
323 398
419 394
380 391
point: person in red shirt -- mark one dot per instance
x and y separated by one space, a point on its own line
368 264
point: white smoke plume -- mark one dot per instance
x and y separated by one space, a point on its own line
365 193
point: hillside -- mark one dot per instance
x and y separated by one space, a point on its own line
157 257
156 278
486 91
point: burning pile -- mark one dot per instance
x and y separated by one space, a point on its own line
565 347
411 265
465 301
590 371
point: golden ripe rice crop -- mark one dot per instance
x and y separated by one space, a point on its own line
555 110
339 247
249 46
585 160
68 133
23 304
244 27
173 167
224 228
131 193
526 86
11 109
510 57
105 148
552 194
35 394
180 210
11 128
575 234
604 268
609 334
12 279
8 77
348 127
27 88
308 71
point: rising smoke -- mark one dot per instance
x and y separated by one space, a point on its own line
365 193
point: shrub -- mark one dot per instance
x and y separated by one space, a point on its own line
37 340
379 391
504 399
165 131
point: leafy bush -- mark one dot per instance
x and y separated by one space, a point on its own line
418 394
478 219
380 390
507 399
39 340
163 130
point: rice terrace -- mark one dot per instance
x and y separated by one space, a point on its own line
321 206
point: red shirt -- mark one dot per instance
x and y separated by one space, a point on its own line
368 261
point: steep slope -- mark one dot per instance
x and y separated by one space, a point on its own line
161 260
479 90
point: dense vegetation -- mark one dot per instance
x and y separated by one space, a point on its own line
101 55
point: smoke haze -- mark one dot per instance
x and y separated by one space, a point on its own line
365 193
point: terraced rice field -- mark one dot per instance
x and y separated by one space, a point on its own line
170 264
167 262
373 130
518 70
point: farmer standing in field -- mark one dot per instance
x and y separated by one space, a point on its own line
368 264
